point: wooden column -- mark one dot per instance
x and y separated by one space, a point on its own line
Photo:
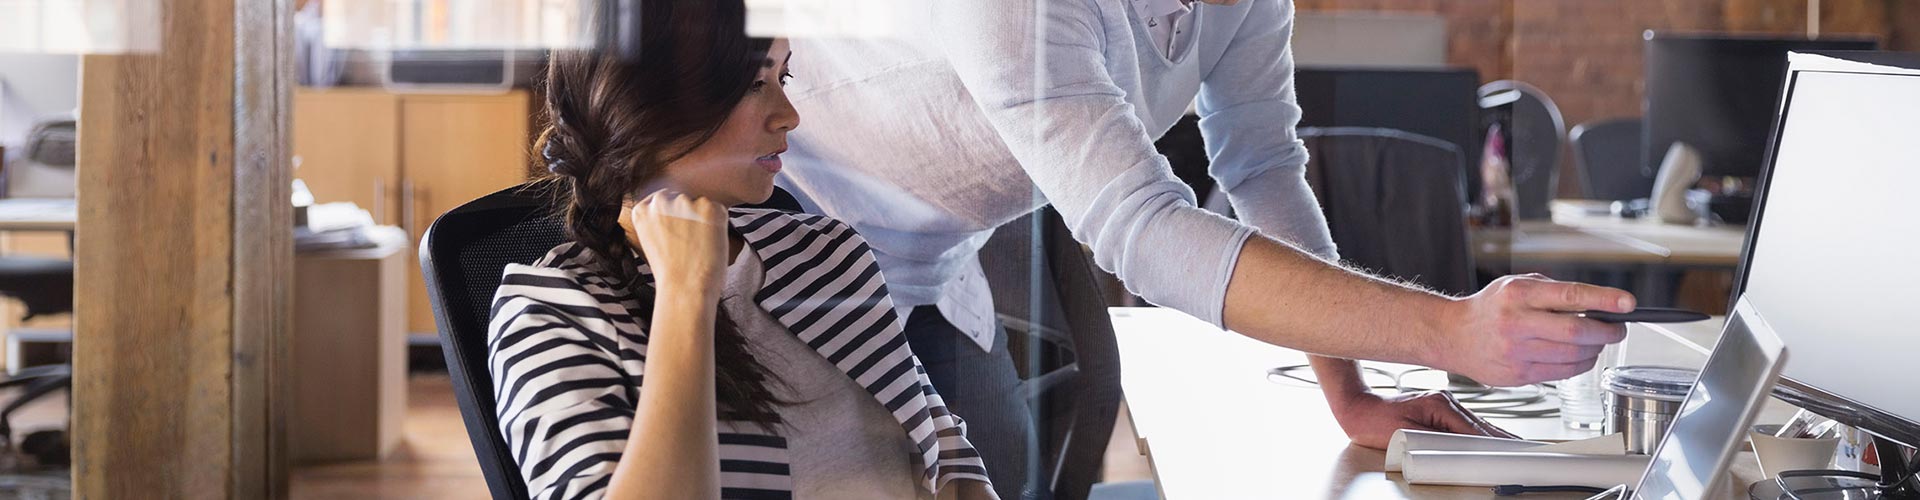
183 258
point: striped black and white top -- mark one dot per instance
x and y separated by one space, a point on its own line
568 355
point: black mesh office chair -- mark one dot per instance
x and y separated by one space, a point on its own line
1607 153
1051 299
461 257
1395 203
1535 132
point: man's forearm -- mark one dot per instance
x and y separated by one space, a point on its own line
1283 296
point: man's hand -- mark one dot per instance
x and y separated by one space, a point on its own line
1370 419
1518 331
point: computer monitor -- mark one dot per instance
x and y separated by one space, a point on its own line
1717 94
1831 256
1438 102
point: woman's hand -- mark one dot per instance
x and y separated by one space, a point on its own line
670 450
684 239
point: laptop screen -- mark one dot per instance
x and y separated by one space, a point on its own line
1713 419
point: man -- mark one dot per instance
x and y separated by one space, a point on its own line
926 144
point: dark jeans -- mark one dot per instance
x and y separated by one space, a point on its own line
983 389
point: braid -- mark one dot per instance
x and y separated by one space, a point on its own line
592 172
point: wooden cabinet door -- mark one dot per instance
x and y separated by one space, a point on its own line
456 148
347 147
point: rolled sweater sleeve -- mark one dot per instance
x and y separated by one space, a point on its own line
1248 115
1042 83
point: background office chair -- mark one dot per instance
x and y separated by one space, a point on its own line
1607 154
1535 132
1044 291
1395 203
461 258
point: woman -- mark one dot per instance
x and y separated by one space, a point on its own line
677 349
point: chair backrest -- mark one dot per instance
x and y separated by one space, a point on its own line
1044 286
1395 203
1535 132
461 258
1607 153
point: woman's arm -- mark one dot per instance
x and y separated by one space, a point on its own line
672 450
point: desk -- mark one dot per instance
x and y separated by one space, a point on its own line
1214 427
1695 245
1579 238
349 373
1547 243
1576 235
37 214
51 215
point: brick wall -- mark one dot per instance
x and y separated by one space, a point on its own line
1586 54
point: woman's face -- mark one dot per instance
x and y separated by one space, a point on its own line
736 165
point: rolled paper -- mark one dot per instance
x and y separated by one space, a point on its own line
1494 468
1405 441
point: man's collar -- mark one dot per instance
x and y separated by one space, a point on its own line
1161 8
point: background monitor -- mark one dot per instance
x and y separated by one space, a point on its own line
1831 257
1718 94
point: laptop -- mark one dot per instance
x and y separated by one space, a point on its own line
1693 458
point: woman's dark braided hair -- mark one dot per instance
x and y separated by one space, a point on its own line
615 121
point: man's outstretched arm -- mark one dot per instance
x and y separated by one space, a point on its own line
1248 116
1082 144
1515 331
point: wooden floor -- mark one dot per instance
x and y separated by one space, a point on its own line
435 460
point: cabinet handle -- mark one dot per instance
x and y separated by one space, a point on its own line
406 207
379 200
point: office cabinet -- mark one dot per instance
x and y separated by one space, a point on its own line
346 147
458 148
409 157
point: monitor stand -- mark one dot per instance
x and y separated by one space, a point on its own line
1901 481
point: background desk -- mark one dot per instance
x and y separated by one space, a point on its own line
1577 239
1214 427
37 214
1576 236
1691 245
350 350
36 227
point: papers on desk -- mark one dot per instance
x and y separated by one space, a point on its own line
1456 460
334 226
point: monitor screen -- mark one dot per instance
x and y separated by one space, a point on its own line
1719 95
1832 257
1713 419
